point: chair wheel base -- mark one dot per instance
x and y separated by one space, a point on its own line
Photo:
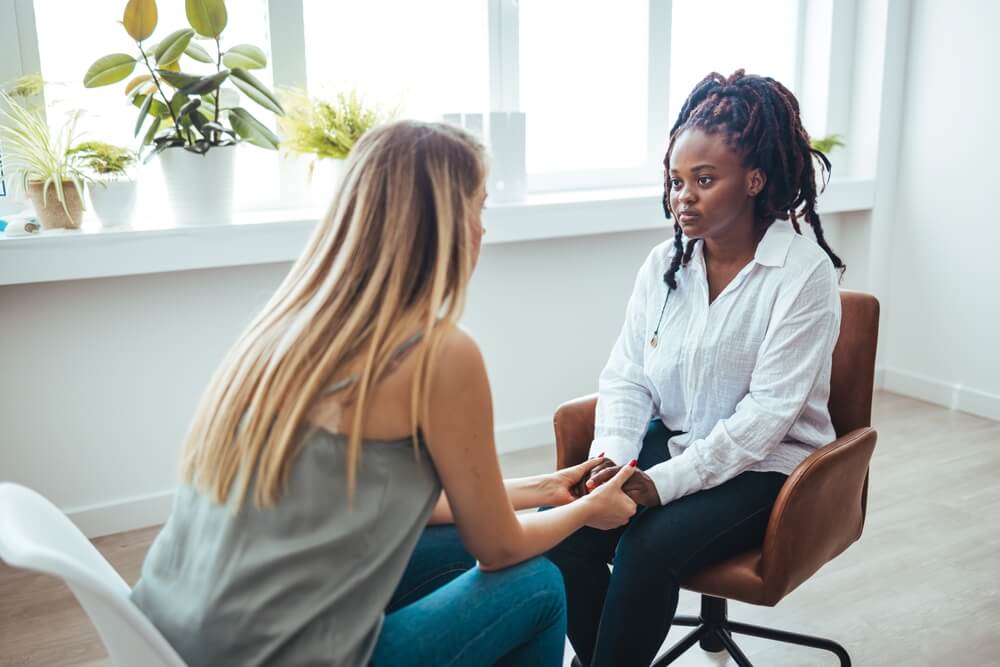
713 631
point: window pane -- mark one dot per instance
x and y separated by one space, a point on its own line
427 58
758 36
72 35
583 81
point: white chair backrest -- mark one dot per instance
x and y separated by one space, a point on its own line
35 535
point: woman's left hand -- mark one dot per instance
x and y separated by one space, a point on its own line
564 486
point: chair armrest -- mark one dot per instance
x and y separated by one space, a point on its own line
574 427
819 512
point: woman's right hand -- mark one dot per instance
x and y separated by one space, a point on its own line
609 506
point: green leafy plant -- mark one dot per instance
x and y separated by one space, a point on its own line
34 154
104 159
26 86
324 129
193 111
828 143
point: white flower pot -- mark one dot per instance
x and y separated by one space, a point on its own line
200 187
315 181
113 201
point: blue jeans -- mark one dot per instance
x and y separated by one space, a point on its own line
446 611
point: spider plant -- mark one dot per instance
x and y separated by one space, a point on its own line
40 159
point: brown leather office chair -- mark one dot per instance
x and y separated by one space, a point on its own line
803 533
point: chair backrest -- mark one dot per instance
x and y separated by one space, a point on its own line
852 378
35 535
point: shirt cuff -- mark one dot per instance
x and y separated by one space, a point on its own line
675 478
619 450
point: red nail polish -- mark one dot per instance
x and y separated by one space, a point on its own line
600 455
633 463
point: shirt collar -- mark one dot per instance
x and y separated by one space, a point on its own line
773 248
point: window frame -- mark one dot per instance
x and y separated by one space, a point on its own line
285 24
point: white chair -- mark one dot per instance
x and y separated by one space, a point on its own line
35 535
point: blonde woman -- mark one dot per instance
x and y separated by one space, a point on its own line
351 413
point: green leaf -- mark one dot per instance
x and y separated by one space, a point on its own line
197 51
108 70
207 17
177 103
151 132
136 82
206 84
197 119
246 56
252 87
252 130
229 98
171 47
143 112
140 18
178 79
157 109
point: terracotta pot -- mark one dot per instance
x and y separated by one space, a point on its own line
50 211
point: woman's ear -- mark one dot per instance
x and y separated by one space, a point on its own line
756 180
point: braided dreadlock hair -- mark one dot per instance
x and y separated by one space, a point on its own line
758 117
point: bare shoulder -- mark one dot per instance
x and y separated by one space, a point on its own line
459 365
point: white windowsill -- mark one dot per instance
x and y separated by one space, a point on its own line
261 237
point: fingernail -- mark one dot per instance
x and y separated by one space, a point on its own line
600 455
633 463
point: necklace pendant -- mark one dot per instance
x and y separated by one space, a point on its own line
652 341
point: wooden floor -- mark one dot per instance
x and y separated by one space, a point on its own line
921 587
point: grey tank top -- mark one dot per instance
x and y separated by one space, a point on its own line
302 583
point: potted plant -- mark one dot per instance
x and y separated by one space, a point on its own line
828 143
43 166
112 191
192 120
320 134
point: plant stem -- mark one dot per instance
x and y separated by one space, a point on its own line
218 68
152 73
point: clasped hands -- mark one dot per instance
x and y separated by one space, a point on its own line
579 480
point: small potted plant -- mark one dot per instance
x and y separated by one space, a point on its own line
192 120
320 134
112 191
42 164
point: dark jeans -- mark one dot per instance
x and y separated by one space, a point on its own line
621 618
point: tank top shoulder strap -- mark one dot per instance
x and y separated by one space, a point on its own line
340 385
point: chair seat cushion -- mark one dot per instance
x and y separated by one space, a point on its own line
738 578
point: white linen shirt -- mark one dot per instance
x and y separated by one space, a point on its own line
747 377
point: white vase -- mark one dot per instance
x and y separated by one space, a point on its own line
113 201
314 182
200 187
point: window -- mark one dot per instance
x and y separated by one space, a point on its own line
425 58
600 82
584 67
760 37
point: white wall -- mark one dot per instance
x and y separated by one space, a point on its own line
942 336
100 377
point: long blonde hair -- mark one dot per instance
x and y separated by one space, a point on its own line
392 256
